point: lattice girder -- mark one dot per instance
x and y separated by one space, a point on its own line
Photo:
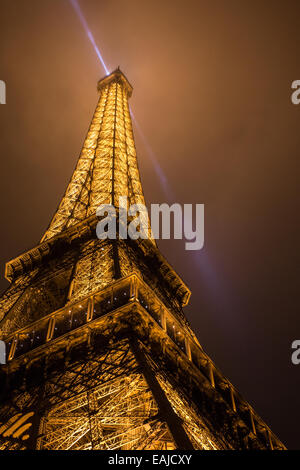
100 354
107 166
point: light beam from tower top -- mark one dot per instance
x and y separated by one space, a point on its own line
116 76
89 34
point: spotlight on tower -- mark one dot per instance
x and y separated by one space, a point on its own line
162 177
83 21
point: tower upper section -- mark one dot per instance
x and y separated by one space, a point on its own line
107 166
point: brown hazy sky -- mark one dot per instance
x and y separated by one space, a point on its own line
212 85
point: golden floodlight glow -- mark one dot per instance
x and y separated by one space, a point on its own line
100 353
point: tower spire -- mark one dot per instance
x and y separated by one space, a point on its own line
107 166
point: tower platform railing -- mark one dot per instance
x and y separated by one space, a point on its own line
81 317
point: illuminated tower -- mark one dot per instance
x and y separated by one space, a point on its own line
100 354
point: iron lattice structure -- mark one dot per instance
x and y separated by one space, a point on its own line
100 354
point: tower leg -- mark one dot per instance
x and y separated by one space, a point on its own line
173 421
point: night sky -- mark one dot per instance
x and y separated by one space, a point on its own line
212 85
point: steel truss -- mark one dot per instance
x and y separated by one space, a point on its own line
100 353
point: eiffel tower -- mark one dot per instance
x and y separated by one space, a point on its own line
100 355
